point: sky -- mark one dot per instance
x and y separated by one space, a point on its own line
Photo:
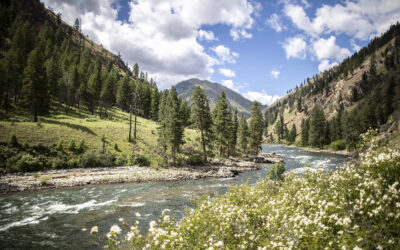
260 49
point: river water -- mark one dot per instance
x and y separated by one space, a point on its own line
55 218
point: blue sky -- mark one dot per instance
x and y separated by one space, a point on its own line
260 49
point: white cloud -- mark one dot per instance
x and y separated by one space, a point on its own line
355 46
325 65
274 74
240 33
262 97
327 49
275 22
225 54
206 35
361 19
299 17
305 3
295 47
160 34
231 85
227 72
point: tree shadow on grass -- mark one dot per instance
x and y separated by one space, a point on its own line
70 125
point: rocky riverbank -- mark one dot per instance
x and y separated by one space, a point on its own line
222 168
328 151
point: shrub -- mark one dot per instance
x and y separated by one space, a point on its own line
137 160
71 145
276 171
44 179
25 144
195 160
354 207
81 147
36 175
58 163
121 160
24 162
142 161
14 140
116 147
338 145
59 146
95 159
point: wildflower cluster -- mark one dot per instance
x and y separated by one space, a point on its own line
356 207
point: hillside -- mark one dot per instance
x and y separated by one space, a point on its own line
37 15
65 100
60 129
360 93
213 92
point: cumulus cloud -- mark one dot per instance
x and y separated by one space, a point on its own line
327 49
225 55
160 34
361 19
355 46
274 74
231 85
295 47
206 35
262 97
227 72
275 22
325 65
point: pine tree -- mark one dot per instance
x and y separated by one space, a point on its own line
184 113
221 123
305 127
317 127
124 93
243 134
292 135
35 90
161 130
107 93
388 101
351 130
136 70
233 133
255 128
53 76
201 117
155 102
174 127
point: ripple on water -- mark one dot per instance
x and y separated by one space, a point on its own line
133 204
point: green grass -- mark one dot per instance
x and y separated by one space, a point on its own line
81 125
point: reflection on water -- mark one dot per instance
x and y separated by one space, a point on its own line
55 218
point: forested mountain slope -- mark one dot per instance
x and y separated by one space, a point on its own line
338 105
64 98
213 91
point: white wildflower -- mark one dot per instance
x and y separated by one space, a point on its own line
115 229
219 244
94 229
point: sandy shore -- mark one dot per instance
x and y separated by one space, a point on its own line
84 176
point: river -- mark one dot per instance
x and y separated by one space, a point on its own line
51 219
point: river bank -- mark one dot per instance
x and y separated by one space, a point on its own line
327 151
220 168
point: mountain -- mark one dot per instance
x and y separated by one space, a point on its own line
360 93
213 91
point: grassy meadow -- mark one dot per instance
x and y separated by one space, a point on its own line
81 125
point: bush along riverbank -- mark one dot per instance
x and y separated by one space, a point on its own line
216 168
355 207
